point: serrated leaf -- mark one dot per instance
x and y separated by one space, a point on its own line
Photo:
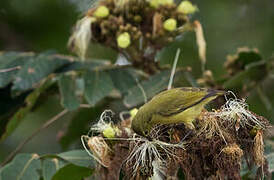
72 172
50 167
152 86
10 65
22 167
122 79
67 88
98 51
78 157
78 65
8 57
30 101
35 70
97 86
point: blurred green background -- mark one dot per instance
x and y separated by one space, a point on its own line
40 25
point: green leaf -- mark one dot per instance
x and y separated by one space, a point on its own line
22 167
35 70
8 106
247 56
97 86
80 124
50 167
254 73
246 172
67 88
72 172
27 69
7 57
122 79
98 51
190 79
30 101
78 157
269 144
78 65
10 64
167 54
152 86
267 103
240 61
270 159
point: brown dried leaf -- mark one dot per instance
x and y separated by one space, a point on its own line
200 40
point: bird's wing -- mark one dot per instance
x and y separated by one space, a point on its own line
179 99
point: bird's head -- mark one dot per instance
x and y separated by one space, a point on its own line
140 124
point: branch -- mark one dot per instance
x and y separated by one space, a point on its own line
44 126
10 69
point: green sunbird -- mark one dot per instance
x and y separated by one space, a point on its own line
178 105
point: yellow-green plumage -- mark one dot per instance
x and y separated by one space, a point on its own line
178 105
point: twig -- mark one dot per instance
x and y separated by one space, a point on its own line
44 126
264 98
174 68
142 90
85 106
10 69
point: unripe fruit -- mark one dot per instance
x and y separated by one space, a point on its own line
123 40
109 132
170 24
187 7
157 3
101 12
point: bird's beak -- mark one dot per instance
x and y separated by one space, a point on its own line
219 92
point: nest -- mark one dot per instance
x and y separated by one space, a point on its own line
222 140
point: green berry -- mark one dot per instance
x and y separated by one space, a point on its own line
154 3
101 12
157 3
187 7
170 24
109 132
165 2
123 40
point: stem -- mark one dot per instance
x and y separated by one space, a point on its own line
174 68
10 69
264 98
143 91
44 126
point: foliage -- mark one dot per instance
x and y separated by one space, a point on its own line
55 166
26 77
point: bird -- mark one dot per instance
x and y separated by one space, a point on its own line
177 105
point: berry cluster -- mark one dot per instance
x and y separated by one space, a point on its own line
135 28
